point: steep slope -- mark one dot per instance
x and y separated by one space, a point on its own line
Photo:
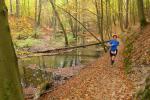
138 61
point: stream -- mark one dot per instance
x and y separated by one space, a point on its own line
33 70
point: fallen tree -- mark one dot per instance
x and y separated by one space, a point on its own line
68 48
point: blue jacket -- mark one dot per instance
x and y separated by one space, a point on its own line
114 44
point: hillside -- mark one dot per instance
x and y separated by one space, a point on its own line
138 63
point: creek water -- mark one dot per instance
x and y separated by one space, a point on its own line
75 58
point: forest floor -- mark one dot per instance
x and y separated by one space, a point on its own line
97 81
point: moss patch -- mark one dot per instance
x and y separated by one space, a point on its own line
145 93
127 55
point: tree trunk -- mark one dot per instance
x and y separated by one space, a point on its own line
141 14
10 85
54 19
24 7
39 13
102 27
133 11
35 15
108 19
127 7
28 7
83 16
11 8
148 7
120 10
61 24
69 48
100 20
70 20
107 25
17 8
76 16
75 21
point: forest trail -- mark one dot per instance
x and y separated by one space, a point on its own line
98 81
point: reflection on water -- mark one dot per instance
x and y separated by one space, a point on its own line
74 58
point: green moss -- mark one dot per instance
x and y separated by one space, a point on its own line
127 54
128 51
127 65
144 94
143 22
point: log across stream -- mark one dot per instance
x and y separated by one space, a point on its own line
68 48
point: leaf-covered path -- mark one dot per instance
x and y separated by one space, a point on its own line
98 81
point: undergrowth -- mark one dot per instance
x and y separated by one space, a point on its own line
144 94
128 51
127 55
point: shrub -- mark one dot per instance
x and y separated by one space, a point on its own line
127 54
29 42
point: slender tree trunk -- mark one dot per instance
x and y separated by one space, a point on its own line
54 19
61 24
107 25
17 8
39 13
141 14
24 7
35 19
10 85
11 8
102 27
35 15
84 6
107 18
76 16
120 10
127 13
28 7
70 20
114 14
130 13
148 7
133 12
100 20
79 15
71 26
76 23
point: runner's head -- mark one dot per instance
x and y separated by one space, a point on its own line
115 36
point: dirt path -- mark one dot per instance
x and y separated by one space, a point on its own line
98 81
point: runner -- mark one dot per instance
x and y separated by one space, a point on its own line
114 43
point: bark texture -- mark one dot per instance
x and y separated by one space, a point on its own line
10 87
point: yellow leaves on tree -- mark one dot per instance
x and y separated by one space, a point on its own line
21 27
